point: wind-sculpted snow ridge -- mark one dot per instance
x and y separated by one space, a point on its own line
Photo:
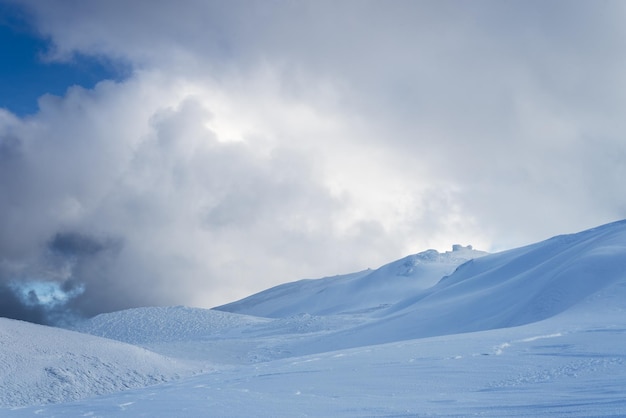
164 324
40 365
361 292
211 336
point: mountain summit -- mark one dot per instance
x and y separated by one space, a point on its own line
364 291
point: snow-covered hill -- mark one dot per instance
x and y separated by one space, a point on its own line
165 324
364 291
533 331
40 364
512 288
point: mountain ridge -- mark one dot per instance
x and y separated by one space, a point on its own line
510 288
368 289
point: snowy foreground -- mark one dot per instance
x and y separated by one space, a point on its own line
535 331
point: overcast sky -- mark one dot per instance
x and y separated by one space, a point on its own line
195 152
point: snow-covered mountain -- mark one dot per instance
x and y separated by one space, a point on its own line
534 331
430 294
364 291
512 288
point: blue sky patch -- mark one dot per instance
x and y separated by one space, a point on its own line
25 76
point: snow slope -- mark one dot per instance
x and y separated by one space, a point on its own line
40 364
541 369
534 331
512 288
165 324
357 292
212 336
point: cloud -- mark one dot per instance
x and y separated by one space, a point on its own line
255 143
142 198
14 307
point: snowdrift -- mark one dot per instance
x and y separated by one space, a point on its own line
145 326
40 365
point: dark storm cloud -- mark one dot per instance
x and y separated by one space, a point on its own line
72 244
14 306
58 284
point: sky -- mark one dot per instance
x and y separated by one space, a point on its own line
195 152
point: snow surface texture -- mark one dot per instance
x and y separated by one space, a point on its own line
41 364
535 331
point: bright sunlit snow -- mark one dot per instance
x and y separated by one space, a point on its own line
535 331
